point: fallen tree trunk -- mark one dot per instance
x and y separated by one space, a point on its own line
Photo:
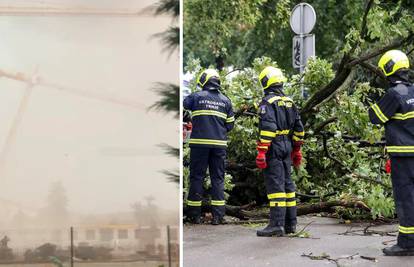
245 212
302 209
326 206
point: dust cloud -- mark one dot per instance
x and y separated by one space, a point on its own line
78 145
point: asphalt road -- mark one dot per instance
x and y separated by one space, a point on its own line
109 264
237 245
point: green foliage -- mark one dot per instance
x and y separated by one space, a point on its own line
254 225
170 37
380 202
383 25
318 73
339 168
170 7
56 261
169 93
170 98
240 31
213 26
301 234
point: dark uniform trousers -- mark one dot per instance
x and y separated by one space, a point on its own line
402 175
279 185
200 159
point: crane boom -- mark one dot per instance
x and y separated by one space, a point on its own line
71 11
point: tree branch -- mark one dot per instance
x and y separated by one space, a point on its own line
374 69
326 91
234 70
328 154
341 74
368 179
381 50
323 124
361 143
364 28
302 209
345 67
347 169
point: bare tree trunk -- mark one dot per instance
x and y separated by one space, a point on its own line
243 213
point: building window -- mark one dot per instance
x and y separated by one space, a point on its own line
106 234
147 233
123 234
90 235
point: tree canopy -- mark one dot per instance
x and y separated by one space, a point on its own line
169 93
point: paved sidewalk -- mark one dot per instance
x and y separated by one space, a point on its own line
237 245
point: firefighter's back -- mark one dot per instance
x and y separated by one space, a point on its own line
285 117
209 114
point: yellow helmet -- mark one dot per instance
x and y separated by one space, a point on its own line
392 61
271 75
206 75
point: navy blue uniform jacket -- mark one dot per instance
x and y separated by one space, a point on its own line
396 111
212 116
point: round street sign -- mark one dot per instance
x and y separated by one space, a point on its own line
303 18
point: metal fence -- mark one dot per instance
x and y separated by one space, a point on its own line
123 245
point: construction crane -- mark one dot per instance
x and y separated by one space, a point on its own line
50 10
43 8
35 80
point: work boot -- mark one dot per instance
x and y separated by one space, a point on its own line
398 251
218 220
290 229
290 220
274 227
270 230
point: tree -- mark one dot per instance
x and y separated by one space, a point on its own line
212 29
169 93
235 32
146 215
343 151
56 210
171 36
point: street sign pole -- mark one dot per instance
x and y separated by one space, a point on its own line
302 21
302 59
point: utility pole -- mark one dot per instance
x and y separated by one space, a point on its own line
169 245
71 247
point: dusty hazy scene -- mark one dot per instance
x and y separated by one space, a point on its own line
78 146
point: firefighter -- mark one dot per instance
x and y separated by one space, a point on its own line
396 111
281 136
212 119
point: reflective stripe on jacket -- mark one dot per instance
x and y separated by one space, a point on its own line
396 111
212 117
279 117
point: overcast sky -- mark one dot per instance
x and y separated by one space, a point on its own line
105 154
